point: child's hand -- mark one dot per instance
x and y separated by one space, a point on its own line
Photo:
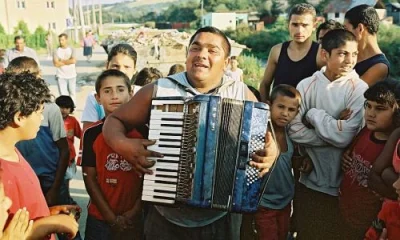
346 161
345 114
65 224
75 210
306 166
20 227
120 224
383 235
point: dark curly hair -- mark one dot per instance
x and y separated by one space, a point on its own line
365 15
65 101
22 93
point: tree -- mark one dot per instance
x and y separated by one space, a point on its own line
21 29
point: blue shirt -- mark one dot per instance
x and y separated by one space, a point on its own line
280 187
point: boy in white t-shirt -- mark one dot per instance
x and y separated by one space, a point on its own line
235 73
64 60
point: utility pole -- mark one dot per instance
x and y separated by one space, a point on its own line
94 16
202 12
76 35
100 19
81 18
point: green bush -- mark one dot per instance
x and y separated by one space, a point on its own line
36 40
388 39
253 70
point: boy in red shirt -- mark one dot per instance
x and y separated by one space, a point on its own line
113 186
359 204
72 128
21 104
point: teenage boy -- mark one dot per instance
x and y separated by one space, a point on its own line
292 61
323 136
358 203
363 22
22 98
325 27
64 60
208 57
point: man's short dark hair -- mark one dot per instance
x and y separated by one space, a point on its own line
366 15
216 31
22 93
18 38
302 9
336 38
112 73
328 25
63 35
286 91
65 101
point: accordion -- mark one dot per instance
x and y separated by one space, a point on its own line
207 142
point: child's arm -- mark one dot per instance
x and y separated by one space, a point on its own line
382 175
132 213
96 195
78 129
62 223
298 131
336 132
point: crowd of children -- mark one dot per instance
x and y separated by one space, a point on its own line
337 127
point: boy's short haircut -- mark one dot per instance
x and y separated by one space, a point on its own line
329 25
63 35
286 91
112 73
147 75
123 48
366 15
176 68
336 38
24 64
302 9
233 58
65 101
384 92
22 93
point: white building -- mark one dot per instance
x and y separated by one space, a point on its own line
222 21
50 14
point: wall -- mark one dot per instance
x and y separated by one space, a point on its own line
35 13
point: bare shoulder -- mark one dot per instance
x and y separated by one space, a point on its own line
275 51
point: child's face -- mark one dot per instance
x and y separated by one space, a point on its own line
341 60
113 93
378 117
234 63
31 124
283 110
301 27
65 112
396 186
123 63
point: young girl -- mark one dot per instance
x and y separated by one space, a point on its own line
114 188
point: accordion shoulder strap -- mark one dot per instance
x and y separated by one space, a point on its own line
187 89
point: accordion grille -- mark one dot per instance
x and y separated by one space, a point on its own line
227 152
188 154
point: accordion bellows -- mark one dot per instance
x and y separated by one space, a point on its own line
207 142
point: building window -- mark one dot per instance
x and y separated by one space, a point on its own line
337 15
54 25
52 5
20 4
48 4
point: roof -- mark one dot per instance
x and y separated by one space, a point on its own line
338 6
396 5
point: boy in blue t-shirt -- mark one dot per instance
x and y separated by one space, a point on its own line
273 216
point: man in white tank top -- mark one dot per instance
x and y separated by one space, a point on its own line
207 60
64 60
